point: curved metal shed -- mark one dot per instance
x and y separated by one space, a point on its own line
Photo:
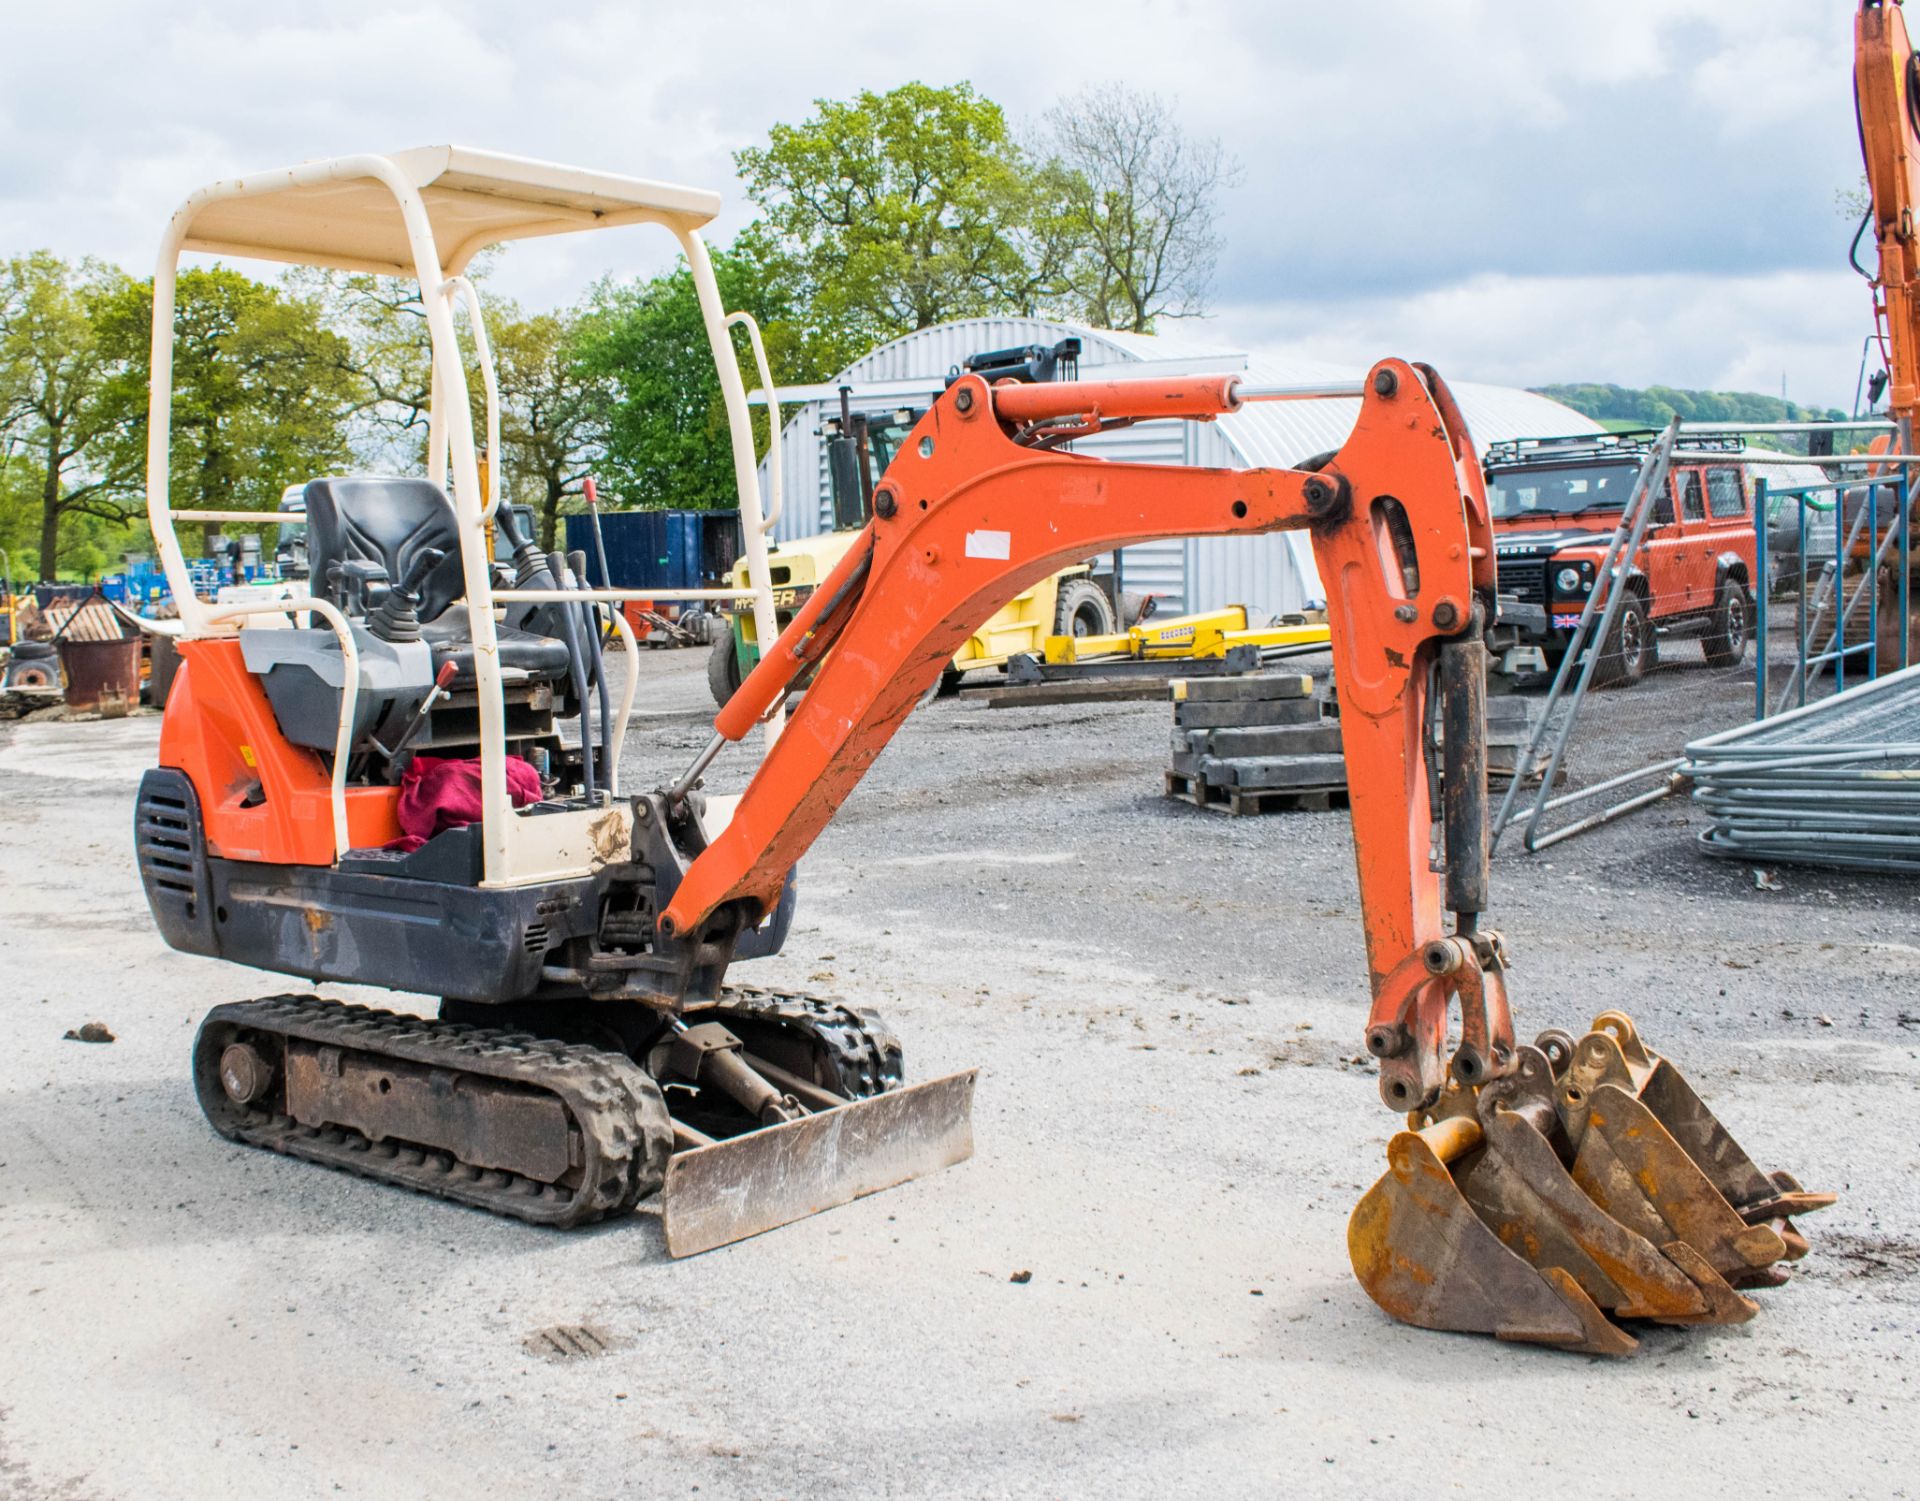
1272 573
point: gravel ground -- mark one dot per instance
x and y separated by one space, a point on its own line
1171 1129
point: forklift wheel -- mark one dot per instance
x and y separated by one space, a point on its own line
1083 610
723 670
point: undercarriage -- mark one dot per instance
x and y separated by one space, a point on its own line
585 1060
578 1122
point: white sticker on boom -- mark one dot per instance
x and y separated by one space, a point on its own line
990 545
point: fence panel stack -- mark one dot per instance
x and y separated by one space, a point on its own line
1836 783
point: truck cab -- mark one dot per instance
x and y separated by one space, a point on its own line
1556 503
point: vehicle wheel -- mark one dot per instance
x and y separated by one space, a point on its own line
1083 609
723 670
1629 650
950 680
1725 642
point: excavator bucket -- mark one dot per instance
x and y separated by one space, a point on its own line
1589 1184
1643 1137
732 1189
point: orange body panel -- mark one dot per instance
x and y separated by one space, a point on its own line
1401 534
260 798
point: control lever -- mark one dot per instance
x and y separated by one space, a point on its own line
443 680
396 618
348 579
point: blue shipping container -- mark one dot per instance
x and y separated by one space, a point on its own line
659 549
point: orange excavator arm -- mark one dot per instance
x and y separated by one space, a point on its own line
1542 1188
981 504
1886 91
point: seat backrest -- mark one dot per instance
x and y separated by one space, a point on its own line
388 521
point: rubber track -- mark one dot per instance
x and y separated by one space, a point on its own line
619 1111
865 1052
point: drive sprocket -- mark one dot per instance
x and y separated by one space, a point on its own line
846 1051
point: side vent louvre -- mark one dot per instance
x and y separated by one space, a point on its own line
171 853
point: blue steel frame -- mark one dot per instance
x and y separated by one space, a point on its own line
1803 498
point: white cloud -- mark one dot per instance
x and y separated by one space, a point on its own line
1417 170
1712 333
1762 83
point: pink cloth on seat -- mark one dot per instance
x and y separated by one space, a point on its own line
439 792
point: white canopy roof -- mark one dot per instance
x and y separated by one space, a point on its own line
343 212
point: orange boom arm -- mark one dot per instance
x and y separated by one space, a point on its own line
1885 99
977 507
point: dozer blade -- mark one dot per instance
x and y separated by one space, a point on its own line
715 1195
1537 1204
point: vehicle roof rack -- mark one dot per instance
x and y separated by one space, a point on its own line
1585 448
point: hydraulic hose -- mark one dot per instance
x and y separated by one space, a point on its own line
569 623
590 620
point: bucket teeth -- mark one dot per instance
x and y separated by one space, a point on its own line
1724 1305
1589 1182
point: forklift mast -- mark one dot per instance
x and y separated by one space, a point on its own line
860 445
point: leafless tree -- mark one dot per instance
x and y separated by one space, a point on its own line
1142 200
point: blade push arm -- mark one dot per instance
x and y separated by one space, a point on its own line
976 508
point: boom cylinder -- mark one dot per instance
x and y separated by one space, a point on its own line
1191 396
808 635
1463 701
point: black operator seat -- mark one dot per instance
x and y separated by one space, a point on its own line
365 531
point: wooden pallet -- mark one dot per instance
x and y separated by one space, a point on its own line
1504 759
1242 801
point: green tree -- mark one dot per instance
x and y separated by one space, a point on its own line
261 389
666 425
553 409
893 212
1655 406
385 348
66 409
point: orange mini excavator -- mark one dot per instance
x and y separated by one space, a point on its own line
589 1052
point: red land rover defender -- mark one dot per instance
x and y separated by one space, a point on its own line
1556 503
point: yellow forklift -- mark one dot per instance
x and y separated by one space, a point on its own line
860 445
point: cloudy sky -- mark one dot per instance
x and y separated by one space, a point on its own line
1624 190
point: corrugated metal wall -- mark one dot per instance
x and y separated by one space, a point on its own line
806 502
1262 573
1157 568
1271 574
924 358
